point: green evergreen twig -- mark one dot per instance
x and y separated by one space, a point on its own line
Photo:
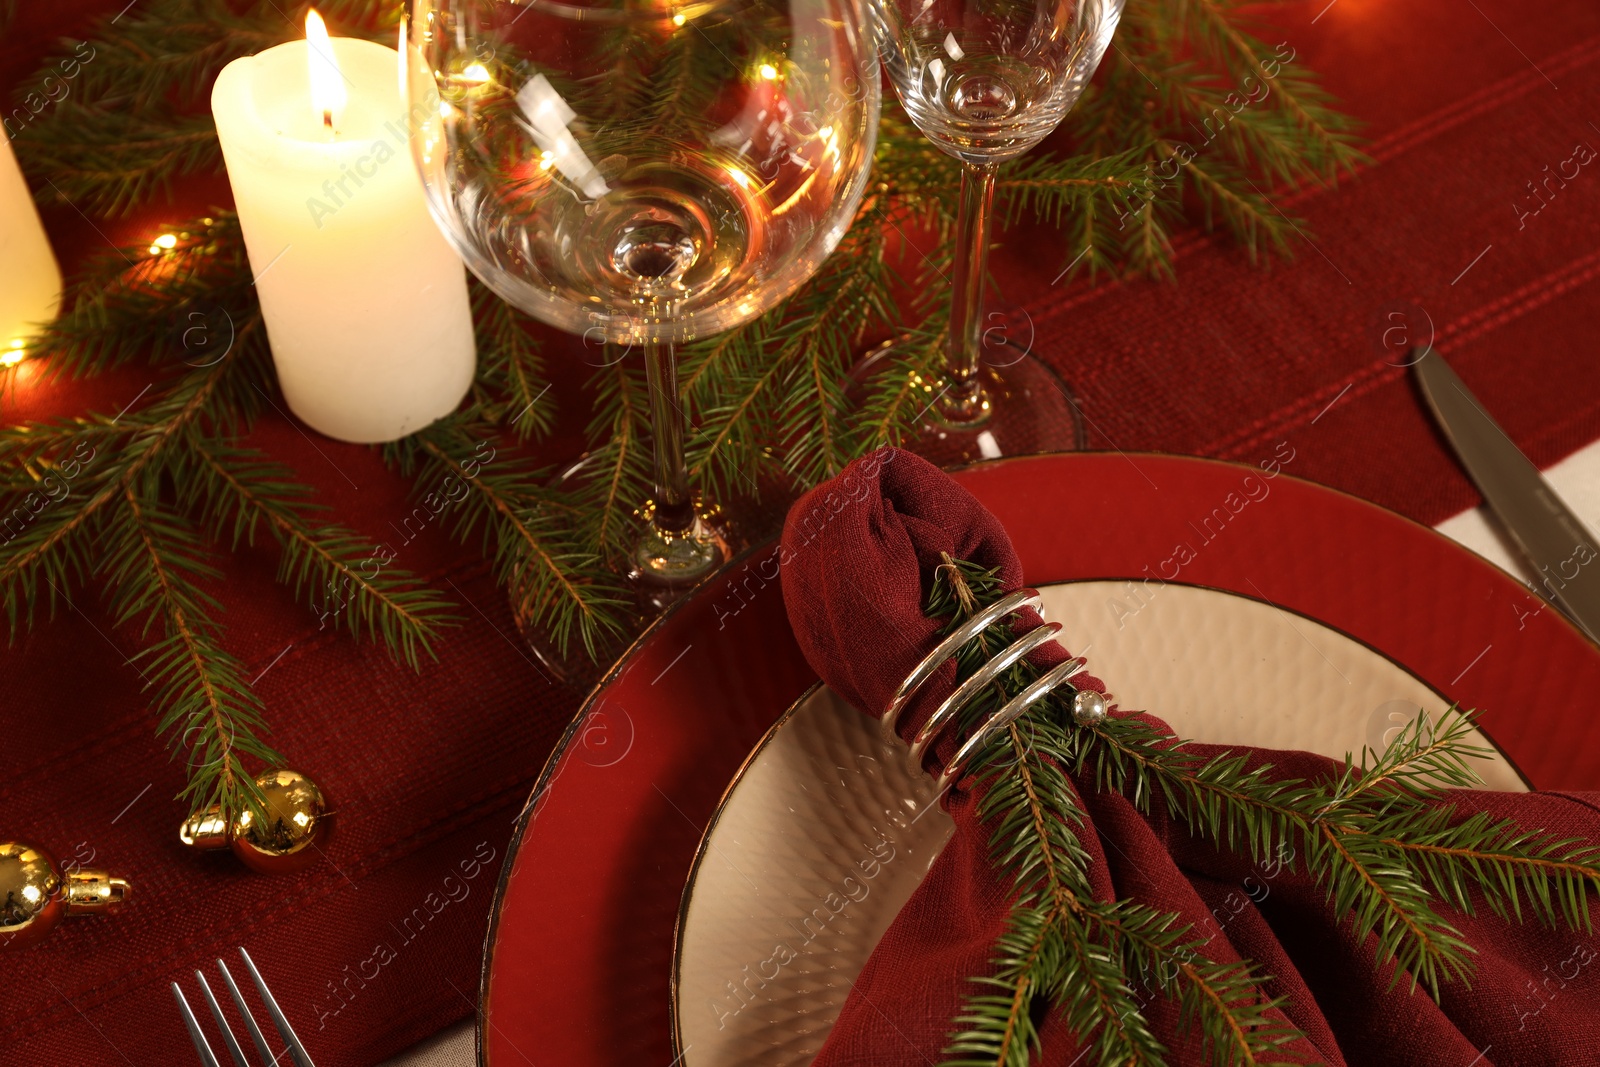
1379 836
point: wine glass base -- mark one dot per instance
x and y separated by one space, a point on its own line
663 562
660 571
1029 409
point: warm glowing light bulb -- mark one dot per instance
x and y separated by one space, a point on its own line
13 353
679 19
769 72
328 96
167 240
476 72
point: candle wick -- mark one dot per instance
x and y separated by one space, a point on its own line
327 122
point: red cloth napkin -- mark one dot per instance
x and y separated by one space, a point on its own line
855 580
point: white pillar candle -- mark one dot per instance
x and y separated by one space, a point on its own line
365 304
30 280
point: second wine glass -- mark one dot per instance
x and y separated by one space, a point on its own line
986 81
645 173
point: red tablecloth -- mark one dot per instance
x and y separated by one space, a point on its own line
1467 101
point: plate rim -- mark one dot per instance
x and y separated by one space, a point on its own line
548 770
559 752
679 1052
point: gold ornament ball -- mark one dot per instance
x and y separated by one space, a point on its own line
35 895
298 822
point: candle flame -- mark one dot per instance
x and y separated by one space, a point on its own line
328 95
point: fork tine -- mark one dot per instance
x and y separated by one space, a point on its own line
222 1023
256 1035
284 1029
201 1045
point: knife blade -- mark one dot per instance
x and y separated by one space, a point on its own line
1558 544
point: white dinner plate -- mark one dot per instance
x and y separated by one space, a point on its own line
824 833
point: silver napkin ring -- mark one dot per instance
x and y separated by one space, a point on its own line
946 714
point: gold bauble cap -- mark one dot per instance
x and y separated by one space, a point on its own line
35 894
289 839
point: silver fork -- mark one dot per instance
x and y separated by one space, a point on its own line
201 1046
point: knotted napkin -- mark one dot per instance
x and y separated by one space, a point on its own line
860 556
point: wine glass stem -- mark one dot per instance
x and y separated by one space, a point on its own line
674 511
964 402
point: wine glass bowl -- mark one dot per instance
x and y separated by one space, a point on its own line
987 81
642 171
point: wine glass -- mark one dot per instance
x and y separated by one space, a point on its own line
985 81
644 172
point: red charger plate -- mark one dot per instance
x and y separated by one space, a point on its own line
579 954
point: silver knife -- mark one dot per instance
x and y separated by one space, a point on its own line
1557 543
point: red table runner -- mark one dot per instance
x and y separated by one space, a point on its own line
381 944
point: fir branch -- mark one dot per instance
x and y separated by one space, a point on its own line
1245 808
327 565
57 547
1214 29
621 463
132 305
820 339
1053 189
899 395
510 382
150 568
1084 964
504 506
1424 756
733 451
1374 835
1001 1030
1509 867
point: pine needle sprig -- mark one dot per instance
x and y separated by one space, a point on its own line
1215 30
1247 809
336 572
1083 957
1378 835
503 505
200 689
189 306
56 545
1510 868
619 468
510 386
105 161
